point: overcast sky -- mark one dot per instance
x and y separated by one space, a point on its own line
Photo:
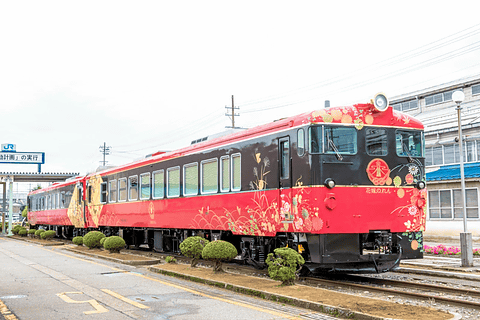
144 76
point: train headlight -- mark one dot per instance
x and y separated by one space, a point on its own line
421 185
329 183
380 102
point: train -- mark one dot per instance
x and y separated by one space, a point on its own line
343 186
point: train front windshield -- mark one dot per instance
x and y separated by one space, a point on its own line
409 143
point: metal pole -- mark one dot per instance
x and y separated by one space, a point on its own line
10 206
465 237
233 113
4 206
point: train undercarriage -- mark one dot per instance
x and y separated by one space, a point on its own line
374 252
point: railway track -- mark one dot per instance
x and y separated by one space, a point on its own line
429 292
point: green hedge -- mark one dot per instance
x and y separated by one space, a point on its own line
192 247
78 240
39 232
92 239
114 244
50 234
218 251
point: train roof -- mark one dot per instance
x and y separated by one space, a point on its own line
358 115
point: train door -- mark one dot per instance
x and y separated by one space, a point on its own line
285 178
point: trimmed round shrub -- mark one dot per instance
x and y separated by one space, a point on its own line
50 234
39 232
92 239
102 241
78 240
31 232
219 251
22 232
192 247
16 229
170 259
283 265
114 244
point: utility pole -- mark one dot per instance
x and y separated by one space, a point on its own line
233 114
106 151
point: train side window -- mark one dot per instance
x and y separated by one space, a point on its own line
315 139
49 202
236 172
62 199
340 140
300 142
225 174
112 191
284 158
133 188
190 179
122 189
158 184
145 186
209 176
173 182
376 142
103 192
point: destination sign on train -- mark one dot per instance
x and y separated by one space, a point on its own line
22 157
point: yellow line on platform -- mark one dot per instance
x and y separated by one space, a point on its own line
118 296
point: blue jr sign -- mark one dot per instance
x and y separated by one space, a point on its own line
9 147
9 154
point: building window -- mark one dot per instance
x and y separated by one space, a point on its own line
376 142
447 204
450 154
225 174
112 191
122 189
158 184
133 188
173 182
440 97
145 186
476 89
405 106
190 179
236 172
209 170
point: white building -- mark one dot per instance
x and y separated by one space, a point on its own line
435 108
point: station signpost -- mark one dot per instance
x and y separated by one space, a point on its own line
9 155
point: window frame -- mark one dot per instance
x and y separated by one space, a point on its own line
140 193
119 189
326 147
227 189
176 168
110 190
103 192
385 135
154 173
185 167
129 187
201 175
301 133
452 206
232 173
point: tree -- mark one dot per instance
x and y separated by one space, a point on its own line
283 266
219 251
192 247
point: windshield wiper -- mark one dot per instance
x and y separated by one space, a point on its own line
405 149
335 149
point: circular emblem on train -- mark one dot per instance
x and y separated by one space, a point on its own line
378 172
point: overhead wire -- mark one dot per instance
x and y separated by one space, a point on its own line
385 63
